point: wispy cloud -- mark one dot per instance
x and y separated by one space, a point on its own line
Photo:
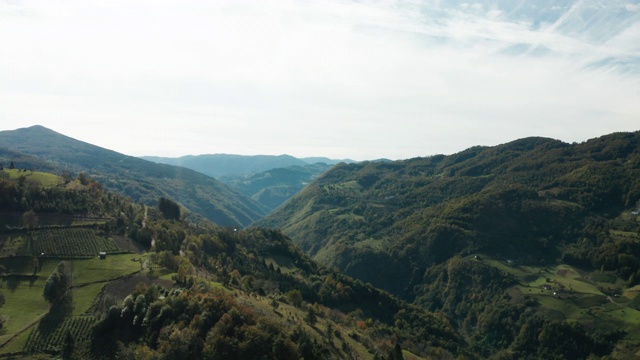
338 78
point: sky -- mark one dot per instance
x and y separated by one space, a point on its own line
342 79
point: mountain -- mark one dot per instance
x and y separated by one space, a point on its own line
142 180
479 271
504 200
534 226
164 288
273 187
267 179
217 165
326 160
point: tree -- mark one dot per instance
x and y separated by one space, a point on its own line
35 262
30 219
69 345
274 304
84 179
170 209
395 353
2 319
11 165
312 316
294 297
57 285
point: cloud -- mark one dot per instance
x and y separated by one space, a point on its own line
338 78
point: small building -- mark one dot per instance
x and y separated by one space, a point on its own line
102 255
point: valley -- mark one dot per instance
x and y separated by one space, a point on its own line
527 249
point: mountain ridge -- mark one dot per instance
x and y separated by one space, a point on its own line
219 165
380 209
142 180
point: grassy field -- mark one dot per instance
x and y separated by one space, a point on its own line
84 296
94 269
624 234
567 293
23 290
24 305
374 244
44 179
285 263
557 277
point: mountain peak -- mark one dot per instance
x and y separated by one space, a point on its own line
36 128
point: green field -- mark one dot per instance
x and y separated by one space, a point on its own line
23 290
43 179
559 277
92 270
285 263
24 304
564 292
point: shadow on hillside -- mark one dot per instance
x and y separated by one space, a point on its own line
56 315
13 281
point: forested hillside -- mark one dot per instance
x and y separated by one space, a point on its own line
269 180
273 187
523 250
169 289
142 180
434 231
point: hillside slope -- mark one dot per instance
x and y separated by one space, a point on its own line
273 187
142 180
531 248
194 292
388 222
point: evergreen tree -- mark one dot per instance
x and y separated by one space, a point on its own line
312 317
57 285
396 353
170 209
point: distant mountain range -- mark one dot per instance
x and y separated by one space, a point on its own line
270 180
218 165
142 180
529 249
273 187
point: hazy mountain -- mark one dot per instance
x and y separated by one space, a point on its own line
326 160
140 179
217 165
270 180
273 187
